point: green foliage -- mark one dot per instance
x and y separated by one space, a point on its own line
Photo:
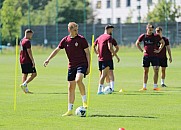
164 9
11 17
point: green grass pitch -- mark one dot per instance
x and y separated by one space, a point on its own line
132 110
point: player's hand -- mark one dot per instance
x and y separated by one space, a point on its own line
118 60
33 64
156 51
88 71
46 63
170 59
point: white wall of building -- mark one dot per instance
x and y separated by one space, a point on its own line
123 12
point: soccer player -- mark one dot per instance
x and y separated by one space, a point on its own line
104 50
111 73
150 54
162 56
27 61
78 53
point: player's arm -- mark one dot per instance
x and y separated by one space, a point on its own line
51 56
117 48
87 52
31 56
138 45
110 47
162 43
169 53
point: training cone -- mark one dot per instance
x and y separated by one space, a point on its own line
121 129
121 90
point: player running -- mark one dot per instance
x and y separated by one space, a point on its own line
27 61
78 54
150 54
104 50
163 57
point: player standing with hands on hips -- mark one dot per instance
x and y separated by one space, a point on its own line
150 54
78 54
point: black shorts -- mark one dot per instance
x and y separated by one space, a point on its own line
104 64
163 62
73 71
27 68
153 60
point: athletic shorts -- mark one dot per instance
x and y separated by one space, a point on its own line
73 71
153 60
163 62
104 64
27 68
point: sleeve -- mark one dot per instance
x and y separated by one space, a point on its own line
28 45
141 37
167 42
114 42
61 45
85 43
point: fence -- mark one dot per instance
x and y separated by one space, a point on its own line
125 34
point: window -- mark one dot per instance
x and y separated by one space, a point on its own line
149 2
108 20
98 5
118 3
108 4
118 20
128 3
99 21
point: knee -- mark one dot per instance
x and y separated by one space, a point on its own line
78 81
34 74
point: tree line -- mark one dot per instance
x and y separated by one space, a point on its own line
15 13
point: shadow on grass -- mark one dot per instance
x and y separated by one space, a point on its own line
123 116
50 93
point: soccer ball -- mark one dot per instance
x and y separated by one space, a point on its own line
107 90
80 111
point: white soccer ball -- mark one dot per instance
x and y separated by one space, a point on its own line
107 90
80 111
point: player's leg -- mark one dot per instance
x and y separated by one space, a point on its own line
32 76
101 80
163 74
79 81
71 91
155 64
163 71
111 74
111 77
146 65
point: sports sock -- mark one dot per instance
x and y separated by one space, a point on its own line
155 85
162 81
144 85
112 85
70 106
84 99
100 88
25 84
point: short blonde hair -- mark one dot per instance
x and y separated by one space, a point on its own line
28 31
72 25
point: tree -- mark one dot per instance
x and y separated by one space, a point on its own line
11 17
164 10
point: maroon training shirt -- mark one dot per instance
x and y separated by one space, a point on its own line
150 43
103 50
74 48
162 53
114 42
24 57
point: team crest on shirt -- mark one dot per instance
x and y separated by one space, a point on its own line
76 44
